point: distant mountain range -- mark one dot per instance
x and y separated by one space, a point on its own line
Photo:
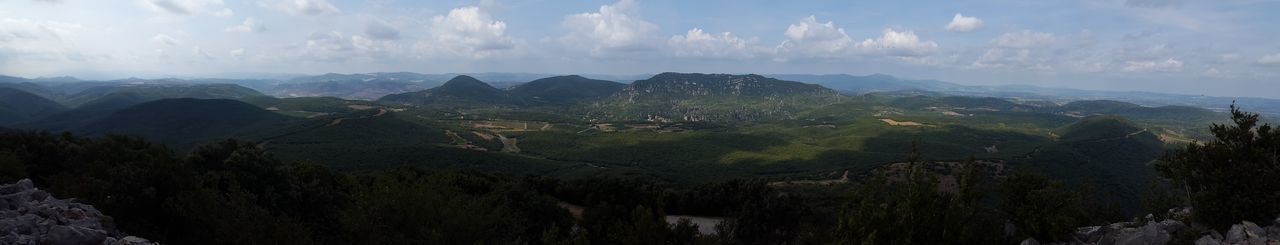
371 86
851 84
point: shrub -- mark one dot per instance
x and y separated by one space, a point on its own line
1233 177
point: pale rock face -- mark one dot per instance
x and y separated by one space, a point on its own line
1252 230
1245 233
1207 240
1235 234
1168 232
32 216
1030 241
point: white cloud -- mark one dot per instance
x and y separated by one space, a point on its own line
373 49
898 44
960 23
195 50
1022 50
810 38
1228 58
1210 72
32 30
1273 59
225 12
26 42
249 25
236 53
379 29
697 43
615 28
329 46
1024 39
337 47
813 39
187 7
466 32
1145 51
301 7
165 39
1168 65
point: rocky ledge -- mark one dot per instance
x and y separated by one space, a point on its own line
31 216
1171 231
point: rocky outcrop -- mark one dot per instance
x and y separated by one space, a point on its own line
1171 231
722 98
1246 233
32 216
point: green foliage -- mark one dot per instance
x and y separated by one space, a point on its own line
753 213
914 211
11 168
409 206
1105 152
771 219
234 187
1158 198
1234 177
1045 209
234 192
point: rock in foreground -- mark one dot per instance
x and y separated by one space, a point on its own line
31 216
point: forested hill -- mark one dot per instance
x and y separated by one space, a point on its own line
711 97
460 91
691 85
18 106
566 89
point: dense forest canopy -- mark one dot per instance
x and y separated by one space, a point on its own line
235 190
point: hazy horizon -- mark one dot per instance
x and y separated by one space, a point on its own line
1221 48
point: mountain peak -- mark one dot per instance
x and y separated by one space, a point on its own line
58 79
882 75
462 89
463 79
466 82
566 88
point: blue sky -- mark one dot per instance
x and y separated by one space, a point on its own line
1225 47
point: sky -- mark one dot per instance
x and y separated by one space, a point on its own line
1221 47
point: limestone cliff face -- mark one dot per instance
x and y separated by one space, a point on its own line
29 215
711 98
693 85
